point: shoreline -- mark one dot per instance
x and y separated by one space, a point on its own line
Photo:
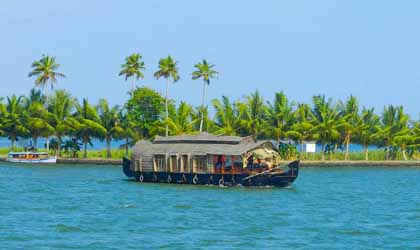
359 163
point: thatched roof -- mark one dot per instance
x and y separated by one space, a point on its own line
199 138
198 145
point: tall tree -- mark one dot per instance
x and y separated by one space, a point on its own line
253 114
326 119
61 106
205 71
280 116
366 134
394 122
45 71
89 124
109 120
350 122
133 67
167 69
13 124
226 118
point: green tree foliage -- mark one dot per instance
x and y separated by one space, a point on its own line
45 71
167 69
133 67
145 111
326 120
205 71
127 131
13 124
366 133
61 106
302 126
181 122
37 121
280 117
253 114
394 126
351 122
89 124
109 120
227 120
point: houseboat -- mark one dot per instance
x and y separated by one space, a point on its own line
31 157
207 159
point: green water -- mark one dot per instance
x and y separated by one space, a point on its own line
94 207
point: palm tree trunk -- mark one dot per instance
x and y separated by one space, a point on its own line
366 152
35 143
202 106
108 147
126 145
335 150
322 153
166 107
58 153
13 140
85 149
404 154
346 155
48 143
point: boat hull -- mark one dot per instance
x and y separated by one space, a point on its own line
282 179
47 160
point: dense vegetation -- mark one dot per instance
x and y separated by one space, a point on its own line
70 124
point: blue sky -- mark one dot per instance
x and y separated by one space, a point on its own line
365 48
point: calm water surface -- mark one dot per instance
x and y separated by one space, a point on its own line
94 207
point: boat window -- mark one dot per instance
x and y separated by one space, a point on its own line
200 164
186 168
173 164
160 162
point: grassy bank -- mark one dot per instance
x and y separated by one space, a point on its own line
91 154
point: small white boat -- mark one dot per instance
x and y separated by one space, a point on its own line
31 157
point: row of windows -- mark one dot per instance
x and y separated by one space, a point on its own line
182 164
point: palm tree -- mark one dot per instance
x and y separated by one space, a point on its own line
109 120
206 72
302 127
45 71
226 117
89 124
394 122
13 125
366 133
37 120
61 106
253 114
133 67
127 128
280 115
181 123
350 122
167 69
326 119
